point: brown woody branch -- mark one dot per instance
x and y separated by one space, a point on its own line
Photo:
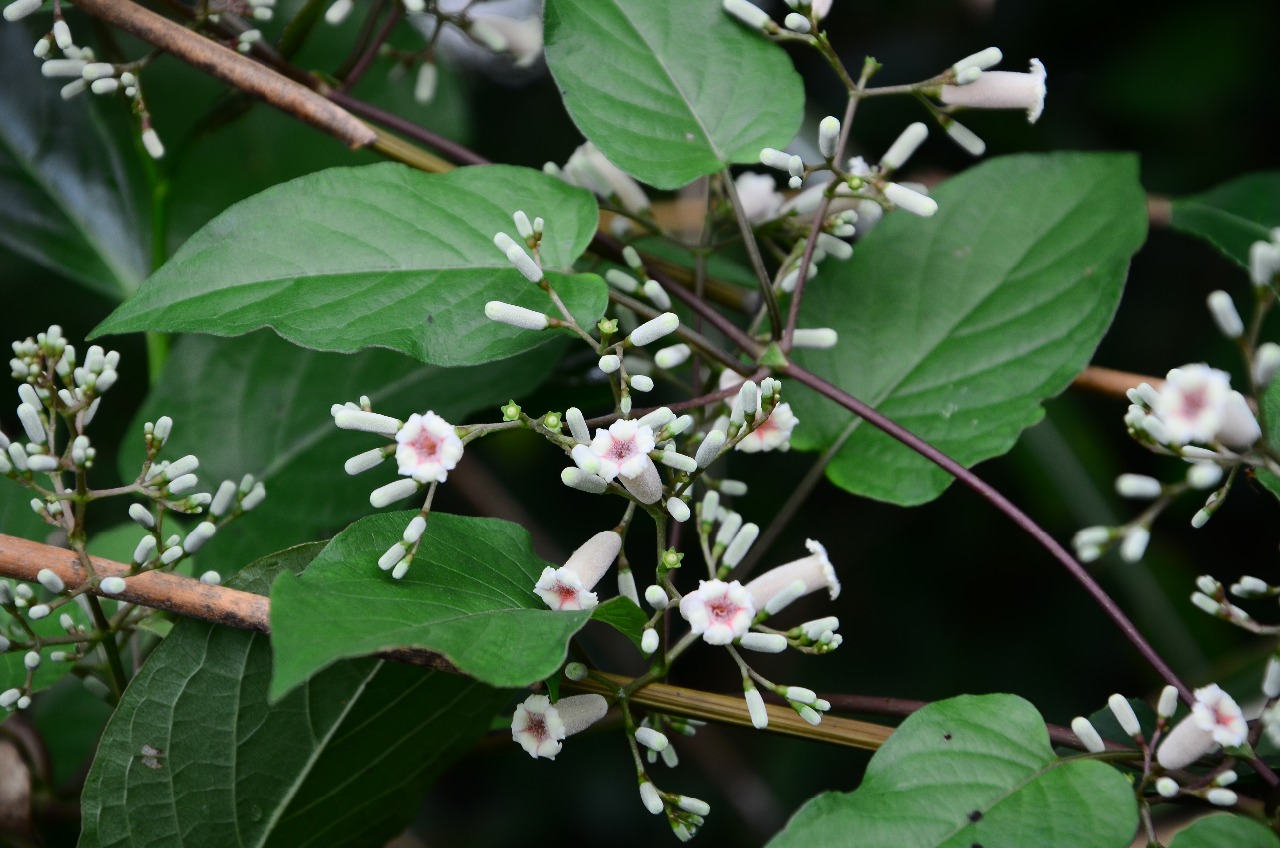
234 69
157 589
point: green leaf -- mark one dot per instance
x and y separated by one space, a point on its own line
624 616
16 517
68 200
195 755
468 596
1225 829
972 770
1234 215
960 325
280 429
378 256
670 91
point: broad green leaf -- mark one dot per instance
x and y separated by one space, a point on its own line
377 256
1271 417
194 754
468 596
960 325
670 92
624 616
1223 829
1234 215
16 517
258 405
972 770
68 202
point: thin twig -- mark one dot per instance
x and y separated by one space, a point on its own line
232 68
1001 503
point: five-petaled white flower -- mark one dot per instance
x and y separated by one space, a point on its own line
623 449
427 448
719 611
1198 405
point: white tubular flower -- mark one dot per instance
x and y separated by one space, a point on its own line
982 60
366 422
577 425
51 581
1266 363
152 144
62 35
1134 544
719 612
427 448
767 643
1002 90
357 464
576 478
588 168
677 354
649 795
907 143
1264 261
710 447
828 136
835 247
1138 486
650 331
1239 428
18 10
750 14
797 23
678 509
569 586
1168 703
525 265
652 739
1215 720
965 137
384 496
1271 680
621 280
1224 313
539 726
1088 735
1123 711
760 198
337 13
755 706
814 571
657 419
818 338
516 316
424 86
910 200
774 433
202 533
649 641
1167 787
742 542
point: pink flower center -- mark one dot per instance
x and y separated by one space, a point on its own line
722 610
426 445
621 450
1222 717
567 594
1193 402
537 726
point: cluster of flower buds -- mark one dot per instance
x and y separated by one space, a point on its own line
806 15
426 448
80 67
1215 721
